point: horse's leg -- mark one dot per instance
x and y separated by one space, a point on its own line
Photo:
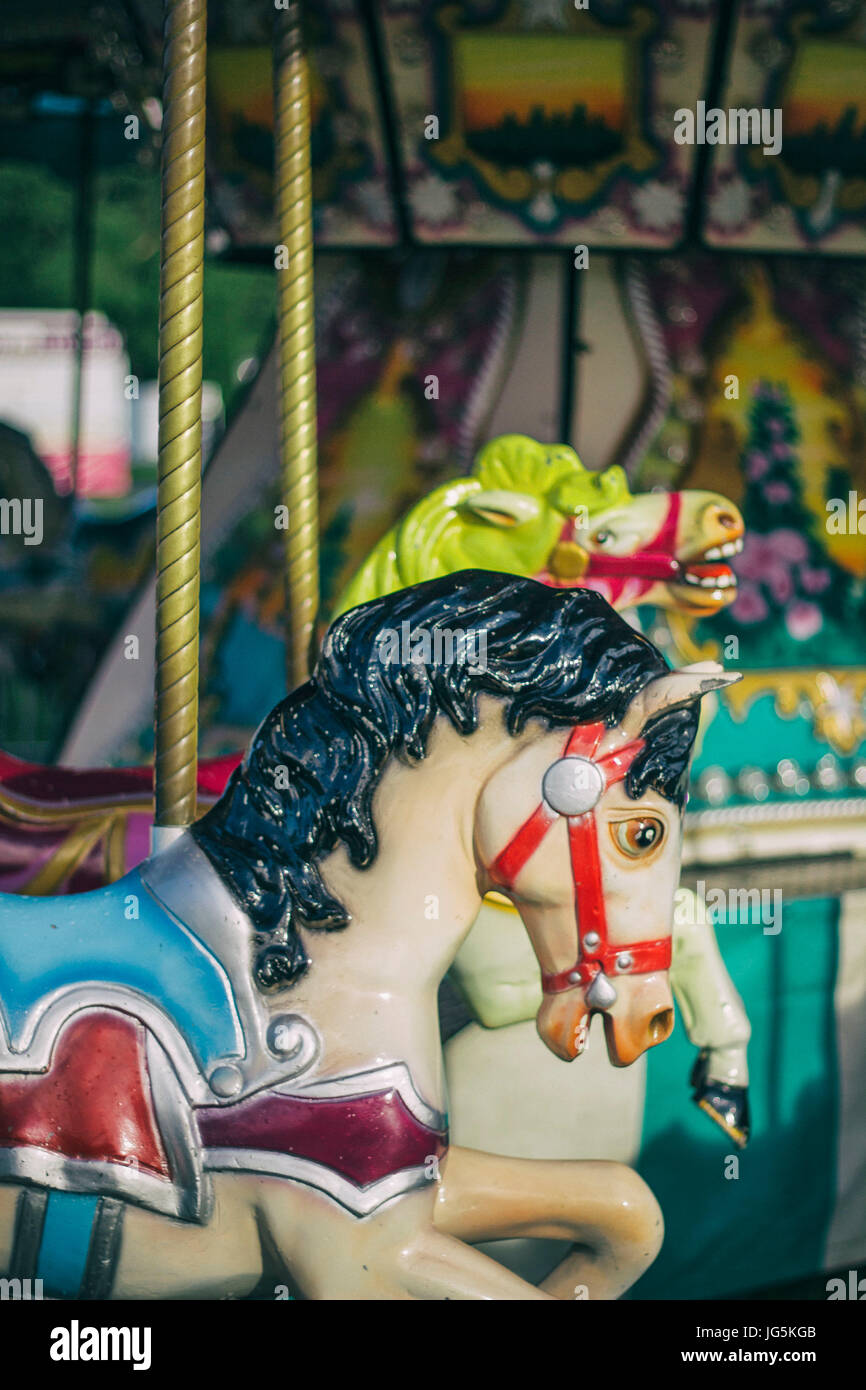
393 1254
605 1209
714 1015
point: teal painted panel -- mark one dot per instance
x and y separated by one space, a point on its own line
762 739
65 1242
729 1236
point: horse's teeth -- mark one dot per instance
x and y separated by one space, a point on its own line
720 552
712 581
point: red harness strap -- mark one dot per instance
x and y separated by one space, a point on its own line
656 561
595 955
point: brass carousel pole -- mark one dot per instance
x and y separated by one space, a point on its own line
180 376
297 377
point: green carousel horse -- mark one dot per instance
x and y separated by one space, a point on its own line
533 509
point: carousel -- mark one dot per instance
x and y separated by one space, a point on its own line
294 1014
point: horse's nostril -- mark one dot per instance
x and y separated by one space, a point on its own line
728 521
661 1025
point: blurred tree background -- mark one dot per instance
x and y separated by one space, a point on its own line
37 251
58 610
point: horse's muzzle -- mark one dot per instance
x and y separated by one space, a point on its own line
640 1017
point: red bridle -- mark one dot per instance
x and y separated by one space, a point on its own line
590 777
656 561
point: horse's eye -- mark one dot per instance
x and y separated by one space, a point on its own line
638 836
602 537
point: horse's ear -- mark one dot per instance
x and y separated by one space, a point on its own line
500 508
677 688
613 484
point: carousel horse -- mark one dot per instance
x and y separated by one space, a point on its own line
530 509
534 510
226 1067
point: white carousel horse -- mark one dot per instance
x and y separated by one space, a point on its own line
227 1065
534 509
530 509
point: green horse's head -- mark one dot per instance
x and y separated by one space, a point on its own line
534 510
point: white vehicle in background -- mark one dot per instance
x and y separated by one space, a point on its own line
117 448
38 351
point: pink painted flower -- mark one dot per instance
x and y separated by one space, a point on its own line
780 582
766 555
803 620
756 464
814 581
777 492
788 545
749 605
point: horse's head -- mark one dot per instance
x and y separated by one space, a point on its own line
534 510
557 773
589 852
670 549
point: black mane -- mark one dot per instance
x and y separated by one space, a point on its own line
307 782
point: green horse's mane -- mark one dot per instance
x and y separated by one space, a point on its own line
552 471
426 543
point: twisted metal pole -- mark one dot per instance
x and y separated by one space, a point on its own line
297 379
180 375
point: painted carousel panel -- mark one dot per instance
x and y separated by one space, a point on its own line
788 167
352 190
748 375
538 121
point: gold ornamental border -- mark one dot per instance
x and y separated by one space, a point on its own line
85 825
573 185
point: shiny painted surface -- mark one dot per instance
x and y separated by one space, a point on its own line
338 1083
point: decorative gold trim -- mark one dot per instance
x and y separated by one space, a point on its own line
115 849
499 901
25 811
739 1136
69 856
682 630
827 692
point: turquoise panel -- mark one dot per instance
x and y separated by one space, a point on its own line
726 1236
49 945
65 1242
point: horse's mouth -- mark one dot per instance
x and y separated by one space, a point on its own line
706 581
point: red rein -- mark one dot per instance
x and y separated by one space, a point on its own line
655 562
595 954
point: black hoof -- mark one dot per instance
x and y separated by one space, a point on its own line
727 1106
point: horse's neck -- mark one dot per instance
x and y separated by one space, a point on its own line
374 984
371 988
